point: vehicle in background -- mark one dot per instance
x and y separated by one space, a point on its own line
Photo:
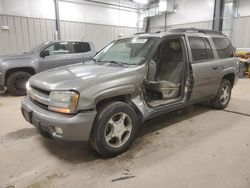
15 70
133 79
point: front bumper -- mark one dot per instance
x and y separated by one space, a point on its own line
74 127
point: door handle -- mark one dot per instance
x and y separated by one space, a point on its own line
215 67
68 58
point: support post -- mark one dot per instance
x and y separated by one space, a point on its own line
218 15
165 21
58 28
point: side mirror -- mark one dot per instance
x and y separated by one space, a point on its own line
44 53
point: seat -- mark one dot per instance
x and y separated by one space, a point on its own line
167 89
169 79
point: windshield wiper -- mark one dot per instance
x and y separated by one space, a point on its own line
114 62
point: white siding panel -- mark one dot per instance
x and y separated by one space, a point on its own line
50 31
4 37
38 34
12 43
19 34
25 33
241 36
44 35
1 37
32 36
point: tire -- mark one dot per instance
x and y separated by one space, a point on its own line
16 83
223 96
115 127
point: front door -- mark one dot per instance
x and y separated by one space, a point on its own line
57 54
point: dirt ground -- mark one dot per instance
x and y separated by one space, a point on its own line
197 147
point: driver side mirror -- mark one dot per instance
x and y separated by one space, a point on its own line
44 53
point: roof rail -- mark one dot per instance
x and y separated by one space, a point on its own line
206 31
139 33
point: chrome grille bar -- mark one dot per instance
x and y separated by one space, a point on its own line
38 96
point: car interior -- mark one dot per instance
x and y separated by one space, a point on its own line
166 73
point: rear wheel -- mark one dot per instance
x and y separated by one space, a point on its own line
114 129
16 83
224 95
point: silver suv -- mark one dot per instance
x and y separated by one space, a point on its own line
15 70
131 80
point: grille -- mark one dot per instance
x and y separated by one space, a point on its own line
39 96
44 106
40 90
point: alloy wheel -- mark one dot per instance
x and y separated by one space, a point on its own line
118 130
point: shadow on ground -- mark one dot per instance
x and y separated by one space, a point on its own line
78 152
21 134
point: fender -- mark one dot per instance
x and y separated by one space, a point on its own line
20 63
229 70
129 89
9 64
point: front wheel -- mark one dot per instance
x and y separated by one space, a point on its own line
16 83
223 96
114 129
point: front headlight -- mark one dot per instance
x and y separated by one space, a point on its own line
63 101
27 87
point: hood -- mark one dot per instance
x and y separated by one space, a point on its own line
16 57
74 77
93 81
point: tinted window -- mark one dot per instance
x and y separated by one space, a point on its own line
81 47
224 47
58 48
209 49
169 50
200 48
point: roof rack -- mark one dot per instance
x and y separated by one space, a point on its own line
139 33
205 31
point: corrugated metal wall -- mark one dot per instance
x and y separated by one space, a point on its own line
240 37
241 33
101 35
24 33
200 25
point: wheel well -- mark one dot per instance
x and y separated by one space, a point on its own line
230 77
24 69
122 98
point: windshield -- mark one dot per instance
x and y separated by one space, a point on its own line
130 51
37 47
